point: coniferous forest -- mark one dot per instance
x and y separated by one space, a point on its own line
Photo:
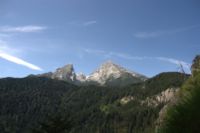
42 105
99 66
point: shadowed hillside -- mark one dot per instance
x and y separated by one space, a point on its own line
35 104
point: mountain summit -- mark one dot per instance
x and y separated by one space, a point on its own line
108 74
112 74
65 73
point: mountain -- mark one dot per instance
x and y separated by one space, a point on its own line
41 104
111 74
108 74
65 73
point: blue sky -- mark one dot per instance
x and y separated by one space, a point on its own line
146 36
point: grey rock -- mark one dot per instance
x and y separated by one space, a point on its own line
108 74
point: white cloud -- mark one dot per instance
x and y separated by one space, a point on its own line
23 29
88 23
19 61
8 53
158 33
130 57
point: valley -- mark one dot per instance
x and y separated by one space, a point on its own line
52 104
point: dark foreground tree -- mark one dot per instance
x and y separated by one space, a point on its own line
184 117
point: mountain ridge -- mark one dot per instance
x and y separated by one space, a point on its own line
108 74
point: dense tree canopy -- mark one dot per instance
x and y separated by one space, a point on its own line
41 105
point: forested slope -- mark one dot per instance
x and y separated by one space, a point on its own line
43 105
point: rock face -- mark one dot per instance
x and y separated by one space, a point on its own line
126 100
112 74
65 73
81 77
165 97
108 74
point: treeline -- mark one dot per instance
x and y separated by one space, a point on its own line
41 105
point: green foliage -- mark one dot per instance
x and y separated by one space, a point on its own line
164 81
25 101
46 106
196 65
54 124
155 85
185 116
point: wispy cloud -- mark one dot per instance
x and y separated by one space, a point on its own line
5 53
88 23
93 51
83 23
22 29
130 57
123 56
175 61
158 33
19 61
112 54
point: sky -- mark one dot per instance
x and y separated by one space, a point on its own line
145 36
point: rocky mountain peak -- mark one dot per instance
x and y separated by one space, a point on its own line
65 73
110 71
67 68
109 65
